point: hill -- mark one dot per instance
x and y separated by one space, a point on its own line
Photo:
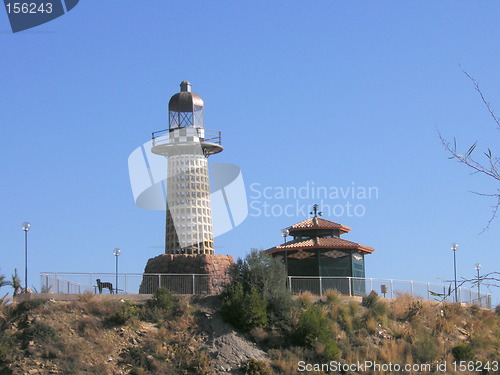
187 335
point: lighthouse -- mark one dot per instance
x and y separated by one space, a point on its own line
187 145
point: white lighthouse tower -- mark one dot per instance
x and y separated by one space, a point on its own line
187 145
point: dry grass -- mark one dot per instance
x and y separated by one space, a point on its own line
306 298
76 337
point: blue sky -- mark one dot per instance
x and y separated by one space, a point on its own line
335 93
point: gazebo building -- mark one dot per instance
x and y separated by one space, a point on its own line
316 249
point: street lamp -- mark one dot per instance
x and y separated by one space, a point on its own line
116 253
477 267
454 247
26 227
284 234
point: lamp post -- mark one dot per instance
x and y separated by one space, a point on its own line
284 234
454 247
26 227
116 253
477 267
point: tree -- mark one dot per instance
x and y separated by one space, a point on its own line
16 283
267 276
3 282
490 166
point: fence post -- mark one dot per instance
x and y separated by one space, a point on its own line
290 284
349 280
159 281
392 289
320 287
411 287
371 284
194 291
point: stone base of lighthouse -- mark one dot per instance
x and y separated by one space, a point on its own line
187 274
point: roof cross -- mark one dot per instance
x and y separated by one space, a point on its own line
315 211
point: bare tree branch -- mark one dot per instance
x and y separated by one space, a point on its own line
491 168
486 103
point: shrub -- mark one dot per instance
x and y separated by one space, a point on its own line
369 300
161 306
333 296
268 276
162 299
6 345
497 310
426 349
254 367
126 312
374 304
29 305
244 310
312 328
462 352
138 358
305 299
39 332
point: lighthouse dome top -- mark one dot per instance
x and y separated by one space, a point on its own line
185 100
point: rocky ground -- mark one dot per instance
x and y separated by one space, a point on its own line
228 348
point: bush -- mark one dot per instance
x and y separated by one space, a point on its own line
426 349
268 276
462 352
6 345
254 367
161 306
374 304
333 296
39 332
162 299
29 305
244 310
126 312
314 327
497 310
370 300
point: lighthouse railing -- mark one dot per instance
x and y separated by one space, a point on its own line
205 135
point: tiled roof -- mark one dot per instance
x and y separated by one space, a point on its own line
320 243
318 223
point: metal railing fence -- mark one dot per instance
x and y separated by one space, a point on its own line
131 283
390 288
198 284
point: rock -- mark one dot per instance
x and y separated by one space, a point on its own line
216 266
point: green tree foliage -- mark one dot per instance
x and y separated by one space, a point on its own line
162 299
314 327
268 277
3 282
463 352
244 310
161 306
